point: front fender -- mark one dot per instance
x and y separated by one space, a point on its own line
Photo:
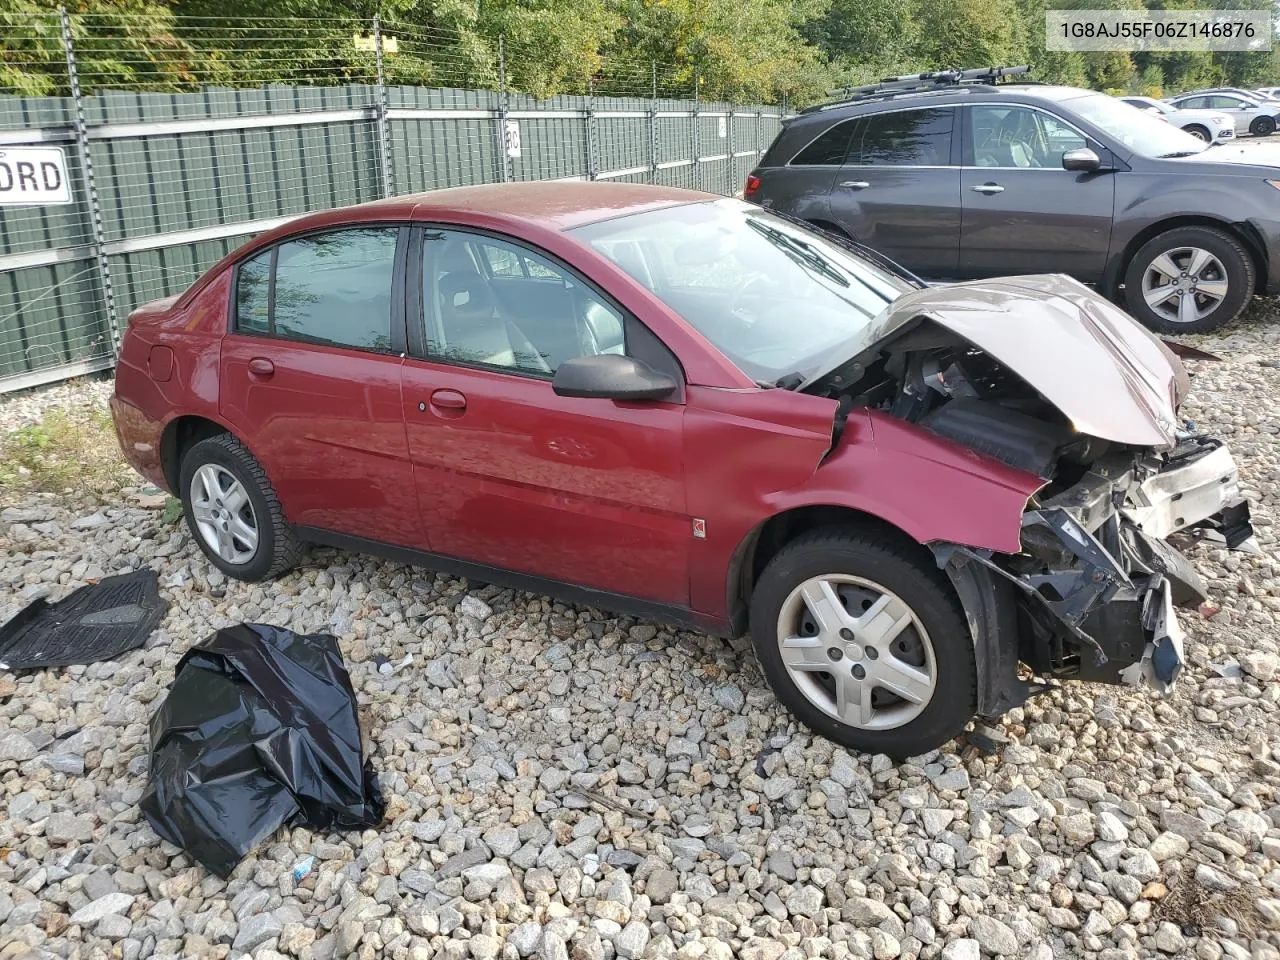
928 487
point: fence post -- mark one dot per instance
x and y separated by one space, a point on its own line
593 148
731 166
91 188
697 82
653 124
504 157
383 127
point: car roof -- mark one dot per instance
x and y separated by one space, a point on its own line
553 204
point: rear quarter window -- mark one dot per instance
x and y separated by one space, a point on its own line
829 148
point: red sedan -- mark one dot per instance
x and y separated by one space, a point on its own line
676 405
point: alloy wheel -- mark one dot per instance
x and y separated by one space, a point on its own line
223 514
1185 284
857 651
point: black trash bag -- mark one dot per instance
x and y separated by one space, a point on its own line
259 729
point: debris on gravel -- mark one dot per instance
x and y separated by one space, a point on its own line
562 782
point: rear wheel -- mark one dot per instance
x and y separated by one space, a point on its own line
1199 132
233 512
864 644
1189 280
1262 127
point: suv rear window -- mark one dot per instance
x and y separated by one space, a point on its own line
905 138
830 148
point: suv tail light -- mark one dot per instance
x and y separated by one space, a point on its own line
752 185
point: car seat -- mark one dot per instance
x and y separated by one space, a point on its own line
474 332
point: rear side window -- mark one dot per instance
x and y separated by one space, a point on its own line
332 288
253 285
906 138
829 148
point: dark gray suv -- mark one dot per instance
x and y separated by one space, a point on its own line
967 180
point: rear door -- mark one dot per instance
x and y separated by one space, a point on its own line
1023 213
899 189
310 379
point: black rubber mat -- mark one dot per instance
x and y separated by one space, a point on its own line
97 622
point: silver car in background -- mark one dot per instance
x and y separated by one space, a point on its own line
1252 114
1211 126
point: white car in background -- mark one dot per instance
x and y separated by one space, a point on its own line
1211 126
1271 93
1251 114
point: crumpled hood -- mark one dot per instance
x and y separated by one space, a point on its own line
1101 368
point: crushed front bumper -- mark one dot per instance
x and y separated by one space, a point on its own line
1098 582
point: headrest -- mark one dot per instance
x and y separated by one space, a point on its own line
465 296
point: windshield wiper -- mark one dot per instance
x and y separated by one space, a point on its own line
799 249
1180 153
792 381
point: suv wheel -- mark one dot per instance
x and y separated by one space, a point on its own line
1262 127
1199 132
864 645
1189 280
233 512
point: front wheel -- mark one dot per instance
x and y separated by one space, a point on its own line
1189 280
233 512
1262 127
864 644
1199 132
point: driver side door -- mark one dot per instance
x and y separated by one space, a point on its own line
1023 213
510 475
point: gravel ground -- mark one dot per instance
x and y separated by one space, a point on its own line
565 783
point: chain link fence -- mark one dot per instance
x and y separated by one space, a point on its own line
180 147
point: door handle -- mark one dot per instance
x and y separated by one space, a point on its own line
854 184
448 400
988 188
261 367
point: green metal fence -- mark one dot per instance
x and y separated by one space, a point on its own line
166 183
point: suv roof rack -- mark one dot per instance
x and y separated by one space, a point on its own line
920 83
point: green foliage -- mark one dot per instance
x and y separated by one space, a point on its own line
729 49
64 451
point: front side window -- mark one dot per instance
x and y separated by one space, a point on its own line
779 300
1012 136
493 303
331 288
830 148
904 138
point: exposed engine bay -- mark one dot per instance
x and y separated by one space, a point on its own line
1096 580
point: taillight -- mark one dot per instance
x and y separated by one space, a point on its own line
752 185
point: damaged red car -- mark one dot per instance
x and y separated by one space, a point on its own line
924 503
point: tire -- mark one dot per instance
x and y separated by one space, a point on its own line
1228 261
208 470
1262 126
1199 132
935 641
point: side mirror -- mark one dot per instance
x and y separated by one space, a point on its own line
1083 160
610 376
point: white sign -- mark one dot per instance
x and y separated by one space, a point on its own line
512 135
34 175
723 127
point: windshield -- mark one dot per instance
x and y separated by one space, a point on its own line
1151 105
1143 133
777 299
